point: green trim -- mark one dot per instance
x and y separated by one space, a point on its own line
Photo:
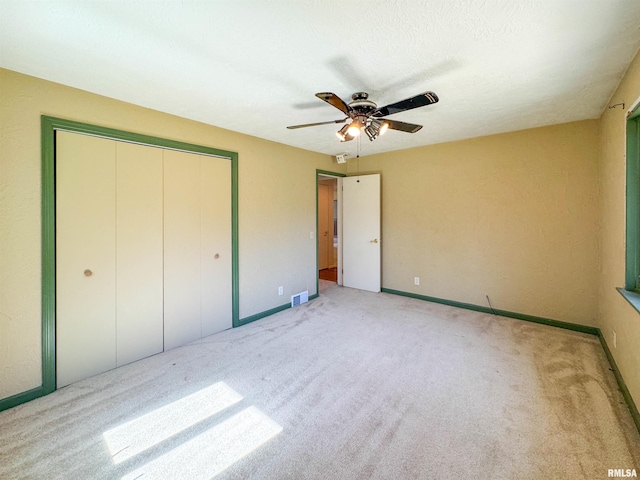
48 127
48 256
621 383
111 133
329 174
235 249
266 313
503 313
332 174
271 311
632 251
21 398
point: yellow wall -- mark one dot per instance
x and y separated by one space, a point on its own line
615 313
512 216
274 241
534 219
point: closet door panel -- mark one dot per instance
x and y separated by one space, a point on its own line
182 317
215 185
139 257
85 257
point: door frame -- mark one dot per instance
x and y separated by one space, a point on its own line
49 126
338 176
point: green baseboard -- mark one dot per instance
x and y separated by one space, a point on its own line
266 313
503 313
621 383
271 311
23 397
544 321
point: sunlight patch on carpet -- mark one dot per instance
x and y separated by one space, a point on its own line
213 451
131 438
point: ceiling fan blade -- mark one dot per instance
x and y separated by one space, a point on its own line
403 126
335 101
426 98
292 127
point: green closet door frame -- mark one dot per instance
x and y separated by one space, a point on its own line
49 127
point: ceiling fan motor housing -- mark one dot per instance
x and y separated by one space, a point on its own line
361 106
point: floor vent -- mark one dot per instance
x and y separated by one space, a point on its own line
299 298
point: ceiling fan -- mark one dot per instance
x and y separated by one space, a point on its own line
366 115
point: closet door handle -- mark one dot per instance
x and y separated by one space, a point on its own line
88 273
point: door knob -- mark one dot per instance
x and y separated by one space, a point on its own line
88 273
375 240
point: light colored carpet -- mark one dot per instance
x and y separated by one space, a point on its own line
352 385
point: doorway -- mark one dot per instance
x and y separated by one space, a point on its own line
328 229
348 231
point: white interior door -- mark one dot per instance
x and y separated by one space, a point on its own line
85 256
361 232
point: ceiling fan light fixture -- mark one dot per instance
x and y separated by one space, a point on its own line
342 133
375 129
354 128
371 133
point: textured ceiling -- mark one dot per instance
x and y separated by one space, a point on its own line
254 66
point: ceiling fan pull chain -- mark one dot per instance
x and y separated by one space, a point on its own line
358 158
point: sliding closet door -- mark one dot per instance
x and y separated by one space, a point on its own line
181 248
143 252
215 289
85 256
139 232
197 247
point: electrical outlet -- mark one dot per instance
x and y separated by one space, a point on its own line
416 280
615 340
280 290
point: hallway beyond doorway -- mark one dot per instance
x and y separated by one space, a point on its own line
330 274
